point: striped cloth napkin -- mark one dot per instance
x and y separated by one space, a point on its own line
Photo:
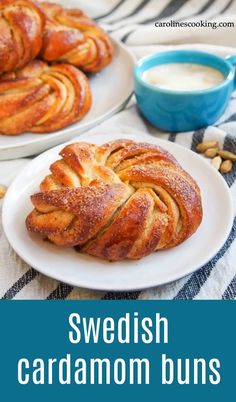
133 22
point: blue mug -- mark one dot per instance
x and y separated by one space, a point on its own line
184 110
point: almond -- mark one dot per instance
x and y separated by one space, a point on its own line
227 155
203 146
211 152
226 166
2 191
216 162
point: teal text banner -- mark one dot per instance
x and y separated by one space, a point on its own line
117 351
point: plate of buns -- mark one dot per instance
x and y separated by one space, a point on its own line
58 75
117 212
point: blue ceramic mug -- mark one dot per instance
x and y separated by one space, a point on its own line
184 110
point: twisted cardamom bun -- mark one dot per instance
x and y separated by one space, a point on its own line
21 28
40 98
72 37
120 200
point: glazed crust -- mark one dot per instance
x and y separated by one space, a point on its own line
40 98
21 29
120 200
71 36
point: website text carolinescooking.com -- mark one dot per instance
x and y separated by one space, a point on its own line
194 24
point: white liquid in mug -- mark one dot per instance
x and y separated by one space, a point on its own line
183 76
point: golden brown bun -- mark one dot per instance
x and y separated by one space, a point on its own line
21 29
41 98
120 200
72 37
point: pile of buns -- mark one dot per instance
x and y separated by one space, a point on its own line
45 51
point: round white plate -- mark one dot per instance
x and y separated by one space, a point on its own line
82 270
111 89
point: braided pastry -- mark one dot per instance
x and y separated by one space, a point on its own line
71 36
41 98
120 200
21 29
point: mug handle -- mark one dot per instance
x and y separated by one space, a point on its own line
232 60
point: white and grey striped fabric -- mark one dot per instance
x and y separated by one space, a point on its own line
132 21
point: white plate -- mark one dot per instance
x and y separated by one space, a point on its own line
111 89
158 268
